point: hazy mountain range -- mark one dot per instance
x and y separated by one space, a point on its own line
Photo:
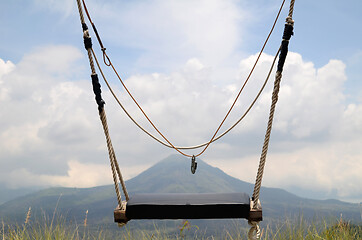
171 175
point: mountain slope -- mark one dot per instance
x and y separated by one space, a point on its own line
173 175
170 175
7 194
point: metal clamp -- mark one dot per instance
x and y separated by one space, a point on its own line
193 164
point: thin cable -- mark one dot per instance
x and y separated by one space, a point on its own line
109 63
188 147
251 72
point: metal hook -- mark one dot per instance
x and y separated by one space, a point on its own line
193 164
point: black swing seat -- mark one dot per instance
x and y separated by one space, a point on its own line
187 206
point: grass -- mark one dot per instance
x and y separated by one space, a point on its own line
57 228
339 230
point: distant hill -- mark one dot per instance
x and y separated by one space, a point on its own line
7 194
170 175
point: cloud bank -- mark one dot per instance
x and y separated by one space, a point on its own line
51 135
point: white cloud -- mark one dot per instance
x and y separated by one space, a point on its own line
178 30
315 139
66 7
5 68
45 111
349 127
78 175
314 142
313 103
53 131
328 168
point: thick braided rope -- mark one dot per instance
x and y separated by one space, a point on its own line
277 81
102 116
291 8
91 63
112 156
80 12
254 232
259 177
114 164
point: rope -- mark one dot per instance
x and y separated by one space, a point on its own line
80 13
291 9
169 144
188 147
267 138
254 231
112 156
96 88
288 32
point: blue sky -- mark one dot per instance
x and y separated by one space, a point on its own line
184 61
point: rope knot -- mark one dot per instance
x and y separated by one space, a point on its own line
106 59
289 20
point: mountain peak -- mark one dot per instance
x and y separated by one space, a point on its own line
173 174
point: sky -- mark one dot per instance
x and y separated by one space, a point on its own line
184 61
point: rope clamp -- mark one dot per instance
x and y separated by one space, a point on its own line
193 164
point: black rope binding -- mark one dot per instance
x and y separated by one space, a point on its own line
87 42
86 38
288 32
95 81
97 92
84 27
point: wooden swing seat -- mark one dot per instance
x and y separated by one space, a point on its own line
187 206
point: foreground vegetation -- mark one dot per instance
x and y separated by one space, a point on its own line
56 228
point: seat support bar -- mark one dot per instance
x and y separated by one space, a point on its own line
188 206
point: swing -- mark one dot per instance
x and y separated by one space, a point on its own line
188 205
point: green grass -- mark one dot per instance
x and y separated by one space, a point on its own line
339 230
57 228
